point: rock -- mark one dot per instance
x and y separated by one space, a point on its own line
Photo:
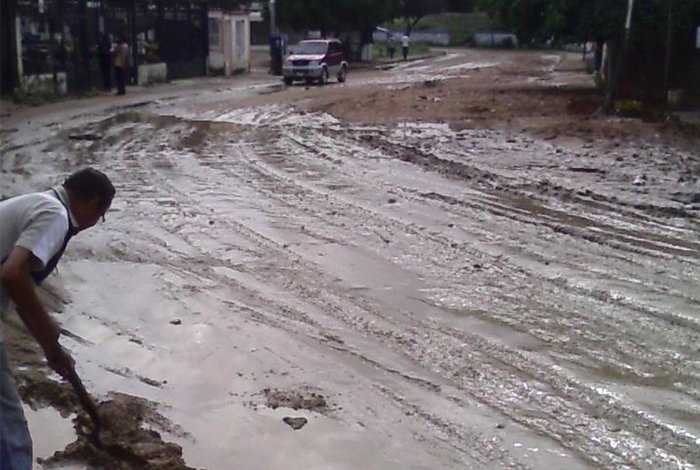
692 198
177 321
500 426
211 222
640 180
295 423
392 200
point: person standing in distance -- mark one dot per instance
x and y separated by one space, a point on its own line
405 42
122 59
104 55
34 231
391 46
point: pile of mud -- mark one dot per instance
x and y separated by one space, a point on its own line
296 400
125 441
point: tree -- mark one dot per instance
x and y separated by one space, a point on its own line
413 10
228 5
461 6
335 16
655 24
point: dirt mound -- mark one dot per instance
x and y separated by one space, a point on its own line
125 442
297 400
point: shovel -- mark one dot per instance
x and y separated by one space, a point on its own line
94 437
89 407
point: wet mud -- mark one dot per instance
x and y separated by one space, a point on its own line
124 442
480 270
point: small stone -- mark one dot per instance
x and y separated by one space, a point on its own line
500 426
295 423
211 222
392 200
640 180
177 321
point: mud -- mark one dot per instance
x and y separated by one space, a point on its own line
125 443
295 400
450 263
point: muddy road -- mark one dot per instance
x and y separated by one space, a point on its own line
448 263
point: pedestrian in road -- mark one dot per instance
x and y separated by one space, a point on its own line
34 231
405 42
122 59
391 46
104 55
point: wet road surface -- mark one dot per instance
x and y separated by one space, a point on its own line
461 299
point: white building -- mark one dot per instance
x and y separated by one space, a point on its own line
229 42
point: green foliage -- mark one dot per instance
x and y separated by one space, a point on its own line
589 20
461 6
335 16
380 52
413 10
460 26
228 5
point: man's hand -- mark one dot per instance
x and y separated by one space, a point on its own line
58 358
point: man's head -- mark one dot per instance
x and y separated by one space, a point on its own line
90 193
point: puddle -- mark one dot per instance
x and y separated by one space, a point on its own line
56 431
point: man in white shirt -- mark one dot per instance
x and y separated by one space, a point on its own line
405 42
34 231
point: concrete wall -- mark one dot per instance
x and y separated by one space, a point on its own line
496 40
152 73
229 47
44 84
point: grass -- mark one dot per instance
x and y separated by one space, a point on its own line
379 50
461 26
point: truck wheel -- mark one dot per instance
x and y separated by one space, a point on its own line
287 81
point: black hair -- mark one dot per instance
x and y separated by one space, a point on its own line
88 183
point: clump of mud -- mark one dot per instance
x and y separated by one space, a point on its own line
295 400
125 443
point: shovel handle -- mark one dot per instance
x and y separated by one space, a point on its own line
87 404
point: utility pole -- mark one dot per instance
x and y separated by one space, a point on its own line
669 43
612 86
273 19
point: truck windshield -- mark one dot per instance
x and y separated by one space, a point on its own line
311 48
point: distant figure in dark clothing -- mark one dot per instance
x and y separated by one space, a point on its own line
104 54
391 46
120 53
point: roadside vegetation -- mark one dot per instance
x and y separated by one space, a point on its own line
380 51
460 26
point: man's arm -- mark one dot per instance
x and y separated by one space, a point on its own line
15 276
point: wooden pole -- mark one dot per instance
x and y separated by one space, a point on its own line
669 43
612 86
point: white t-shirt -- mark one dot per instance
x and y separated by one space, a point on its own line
37 222
405 40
